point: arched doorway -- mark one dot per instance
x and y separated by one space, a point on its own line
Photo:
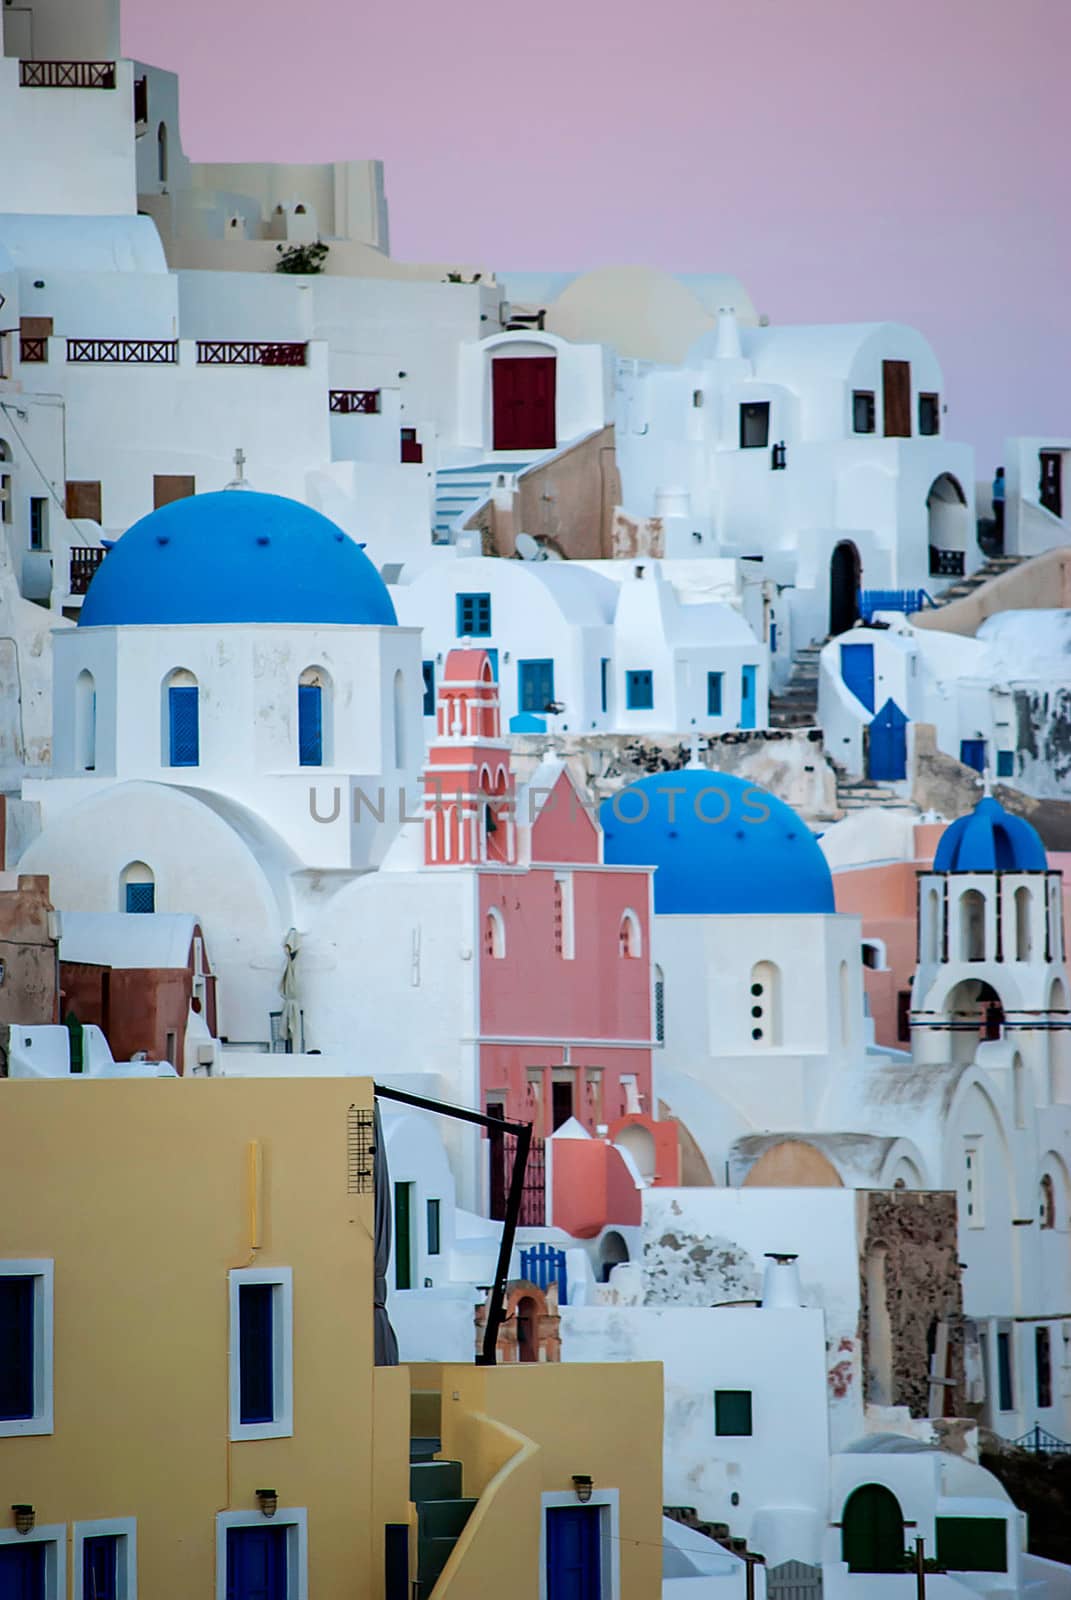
845 572
527 1329
949 524
872 1530
613 1252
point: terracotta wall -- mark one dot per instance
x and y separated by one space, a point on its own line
138 1008
569 502
29 988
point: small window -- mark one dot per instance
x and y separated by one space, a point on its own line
929 413
870 956
563 915
105 1559
903 1016
755 425
639 691
604 681
629 941
183 743
1047 1202
1005 1388
972 1186
1005 763
972 1544
261 1402
26 1347
864 416
38 522
1043 1367
714 684
161 152
434 1227
428 669
732 1413
403 1235
474 616
535 686
494 938
140 898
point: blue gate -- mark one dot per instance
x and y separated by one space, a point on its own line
857 670
887 755
543 1265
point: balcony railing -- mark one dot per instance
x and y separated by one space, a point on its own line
349 402
249 353
126 352
67 74
33 349
85 559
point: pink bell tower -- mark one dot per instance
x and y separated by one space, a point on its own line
468 786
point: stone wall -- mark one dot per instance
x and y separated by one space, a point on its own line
29 985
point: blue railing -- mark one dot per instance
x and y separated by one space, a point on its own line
543 1265
905 600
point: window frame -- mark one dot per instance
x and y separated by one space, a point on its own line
478 601
762 408
53 1534
608 1501
870 399
546 662
632 677
123 1528
295 1519
427 669
42 1421
929 402
433 1210
715 693
281 1280
38 514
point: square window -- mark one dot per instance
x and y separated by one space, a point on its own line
864 414
25 1347
105 1560
428 668
929 413
732 1413
434 1227
140 897
33 1566
535 686
261 1353
1005 763
639 691
755 425
474 616
714 683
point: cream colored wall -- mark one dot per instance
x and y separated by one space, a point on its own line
1041 583
143 1196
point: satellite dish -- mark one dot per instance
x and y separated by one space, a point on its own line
527 548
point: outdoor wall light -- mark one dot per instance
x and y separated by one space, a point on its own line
582 1485
268 1501
25 1518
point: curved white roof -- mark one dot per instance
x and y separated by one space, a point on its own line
814 350
81 244
581 595
114 939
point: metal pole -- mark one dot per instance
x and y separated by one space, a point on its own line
920 1569
496 1310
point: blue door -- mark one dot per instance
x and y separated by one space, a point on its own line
535 685
857 670
310 725
887 754
22 1571
256 1563
100 1568
574 1553
972 753
747 697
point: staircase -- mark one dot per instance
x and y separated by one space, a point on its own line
995 567
459 491
859 794
688 1517
435 1489
796 706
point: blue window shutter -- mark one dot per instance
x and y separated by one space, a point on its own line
972 753
310 725
100 1568
429 688
535 685
714 694
639 690
22 1571
256 1563
256 1352
184 734
16 1347
1005 763
141 897
473 616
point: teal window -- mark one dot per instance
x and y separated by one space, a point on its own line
1005 763
639 690
310 725
429 688
141 897
434 1227
732 1413
972 1544
604 681
473 616
535 685
714 683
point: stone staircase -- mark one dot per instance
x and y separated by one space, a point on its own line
859 794
435 1488
720 1532
459 491
796 706
995 567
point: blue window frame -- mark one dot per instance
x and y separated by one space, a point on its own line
183 730
747 696
639 690
604 681
16 1348
428 668
773 638
492 656
535 685
256 1352
1005 763
257 1563
473 616
574 1553
310 725
22 1571
100 1567
714 684
141 897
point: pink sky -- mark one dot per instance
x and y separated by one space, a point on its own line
848 159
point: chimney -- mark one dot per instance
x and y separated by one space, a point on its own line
781 1283
727 347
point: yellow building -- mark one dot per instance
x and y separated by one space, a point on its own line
188 1400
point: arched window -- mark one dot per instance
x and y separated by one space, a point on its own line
972 925
399 720
314 718
765 1003
1022 923
659 1006
182 719
1047 1202
85 722
494 934
629 939
161 152
933 926
137 888
613 1252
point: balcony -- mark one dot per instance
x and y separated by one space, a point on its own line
125 352
353 402
250 353
67 74
85 559
32 349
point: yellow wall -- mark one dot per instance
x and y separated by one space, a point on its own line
140 1193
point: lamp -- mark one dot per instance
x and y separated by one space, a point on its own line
25 1517
582 1485
268 1501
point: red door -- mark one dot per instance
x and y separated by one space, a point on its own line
523 398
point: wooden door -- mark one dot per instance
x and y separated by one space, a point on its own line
873 1530
574 1553
169 486
524 393
256 1563
83 500
1050 488
896 398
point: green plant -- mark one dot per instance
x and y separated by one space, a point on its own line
307 258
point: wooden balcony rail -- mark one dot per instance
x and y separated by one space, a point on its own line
67 74
127 352
85 559
349 401
31 349
249 353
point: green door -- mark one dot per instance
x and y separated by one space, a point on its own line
872 1530
403 1235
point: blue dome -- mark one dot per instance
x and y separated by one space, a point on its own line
990 839
719 843
235 556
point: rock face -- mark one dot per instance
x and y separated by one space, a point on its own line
1040 1485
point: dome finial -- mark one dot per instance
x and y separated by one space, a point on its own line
239 481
